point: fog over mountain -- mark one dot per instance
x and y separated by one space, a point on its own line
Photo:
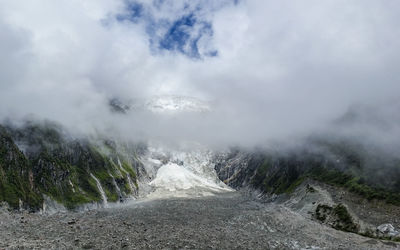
268 70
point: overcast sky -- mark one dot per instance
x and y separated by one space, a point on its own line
271 69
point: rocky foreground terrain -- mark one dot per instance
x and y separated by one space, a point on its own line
231 220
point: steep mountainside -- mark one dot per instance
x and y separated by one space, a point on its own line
17 186
70 171
342 163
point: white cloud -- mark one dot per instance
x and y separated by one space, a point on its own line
282 68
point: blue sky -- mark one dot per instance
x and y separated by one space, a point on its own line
180 33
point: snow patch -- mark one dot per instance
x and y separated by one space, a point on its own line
173 177
182 173
176 104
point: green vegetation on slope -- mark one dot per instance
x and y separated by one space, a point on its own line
354 184
338 216
58 168
16 176
285 174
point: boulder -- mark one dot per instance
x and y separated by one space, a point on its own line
387 229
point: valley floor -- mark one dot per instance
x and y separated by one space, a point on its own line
226 221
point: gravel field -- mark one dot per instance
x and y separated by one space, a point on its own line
225 221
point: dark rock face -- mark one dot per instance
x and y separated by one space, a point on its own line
238 168
118 107
260 171
61 167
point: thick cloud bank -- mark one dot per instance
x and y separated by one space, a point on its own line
269 69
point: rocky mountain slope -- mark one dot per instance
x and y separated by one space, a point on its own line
325 181
343 163
40 160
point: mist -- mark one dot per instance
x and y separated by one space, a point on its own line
270 71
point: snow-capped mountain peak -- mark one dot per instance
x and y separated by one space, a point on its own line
166 104
176 104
